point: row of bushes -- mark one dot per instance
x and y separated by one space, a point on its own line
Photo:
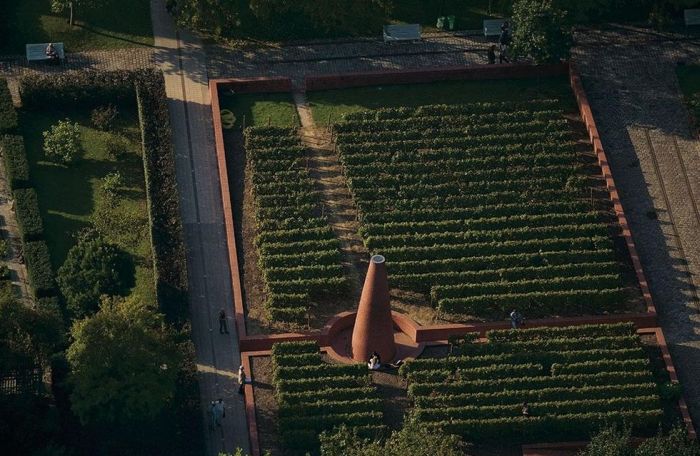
492 371
35 251
440 120
454 110
557 332
553 344
537 304
420 281
517 397
285 202
314 396
520 233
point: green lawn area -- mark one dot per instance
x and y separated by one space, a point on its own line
336 103
689 80
114 24
71 197
260 109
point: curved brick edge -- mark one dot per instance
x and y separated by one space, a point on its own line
587 116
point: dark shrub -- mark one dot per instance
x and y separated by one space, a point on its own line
102 117
41 275
8 116
28 215
15 157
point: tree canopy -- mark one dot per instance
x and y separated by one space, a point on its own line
92 268
412 439
124 362
540 31
615 441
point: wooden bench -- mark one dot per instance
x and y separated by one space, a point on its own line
37 51
492 27
405 32
692 17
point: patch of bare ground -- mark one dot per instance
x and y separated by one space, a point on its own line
266 409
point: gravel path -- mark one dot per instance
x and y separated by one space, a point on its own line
638 106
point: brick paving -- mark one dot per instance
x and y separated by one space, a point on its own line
343 56
180 56
633 90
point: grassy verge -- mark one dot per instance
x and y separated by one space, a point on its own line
276 109
72 196
114 24
689 80
333 104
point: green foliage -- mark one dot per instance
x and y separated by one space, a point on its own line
15 158
93 268
162 194
103 117
28 336
8 116
617 441
541 31
41 274
27 212
124 364
412 439
112 182
62 142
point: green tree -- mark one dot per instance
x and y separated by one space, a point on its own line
93 268
124 364
676 443
412 439
610 441
62 142
540 31
58 6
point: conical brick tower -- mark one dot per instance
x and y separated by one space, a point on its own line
374 328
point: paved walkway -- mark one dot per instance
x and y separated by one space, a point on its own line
655 160
343 56
181 58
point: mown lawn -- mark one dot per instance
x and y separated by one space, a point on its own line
71 197
333 104
114 24
275 109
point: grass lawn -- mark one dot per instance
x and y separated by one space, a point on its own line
115 24
71 196
260 109
689 80
336 103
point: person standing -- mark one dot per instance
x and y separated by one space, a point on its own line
218 411
515 319
241 379
492 54
223 326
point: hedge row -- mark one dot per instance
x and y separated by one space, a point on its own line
299 254
161 189
587 331
8 115
15 160
41 274
28 215
314 396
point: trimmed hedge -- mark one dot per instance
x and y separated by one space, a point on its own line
41 274
28 215
8 115
84 88
15 159
162 193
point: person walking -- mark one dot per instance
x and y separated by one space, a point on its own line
492 54
241 379
223 326
516 319
218 411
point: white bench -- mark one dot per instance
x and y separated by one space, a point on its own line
37 51
692 17
492 27
405 32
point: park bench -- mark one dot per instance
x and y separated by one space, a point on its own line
37 51
492 27
692 17
404 32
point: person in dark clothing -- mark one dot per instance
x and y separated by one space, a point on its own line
526 409
492 54
502 56
379 358
223 326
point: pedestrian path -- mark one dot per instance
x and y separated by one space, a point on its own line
180 56
655 160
